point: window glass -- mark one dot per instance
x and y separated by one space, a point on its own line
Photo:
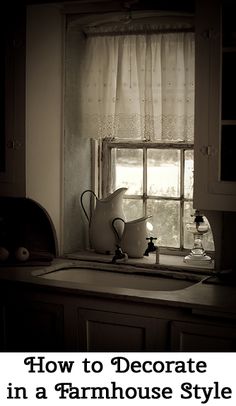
163 173
133 208
166 221
188 174
127 169
188 212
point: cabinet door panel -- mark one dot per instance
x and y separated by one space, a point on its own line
202 337
33 326
108 331
12 166
214 173
1 327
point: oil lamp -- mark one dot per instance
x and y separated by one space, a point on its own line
198 228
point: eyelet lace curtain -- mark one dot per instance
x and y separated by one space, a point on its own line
138 87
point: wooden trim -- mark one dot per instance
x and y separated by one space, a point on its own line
146 144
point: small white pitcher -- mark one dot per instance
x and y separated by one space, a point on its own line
133 240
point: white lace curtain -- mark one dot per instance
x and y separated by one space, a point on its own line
138 87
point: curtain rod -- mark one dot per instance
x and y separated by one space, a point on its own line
90 19
139 32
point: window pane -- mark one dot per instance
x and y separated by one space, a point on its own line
133 209
208 242
163 174
166 222
188 174
127 170
188 237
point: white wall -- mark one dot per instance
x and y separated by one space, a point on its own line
44 109
77 168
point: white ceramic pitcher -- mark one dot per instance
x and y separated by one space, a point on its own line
101 234
133 239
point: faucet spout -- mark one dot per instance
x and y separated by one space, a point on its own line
119 256
151 247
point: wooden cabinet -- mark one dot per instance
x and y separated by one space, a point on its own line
187 336
30 325
12 145
1 327
43 319
31 321
110 331
36 320
215 111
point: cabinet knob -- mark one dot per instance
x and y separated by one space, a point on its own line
14 144
208 150
210 33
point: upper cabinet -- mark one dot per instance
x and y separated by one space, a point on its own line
215 109
12 135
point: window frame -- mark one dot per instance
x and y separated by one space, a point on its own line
103 176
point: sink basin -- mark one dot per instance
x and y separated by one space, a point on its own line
101 278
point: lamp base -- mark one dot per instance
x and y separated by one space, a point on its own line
198 259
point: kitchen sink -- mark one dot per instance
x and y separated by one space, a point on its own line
103 278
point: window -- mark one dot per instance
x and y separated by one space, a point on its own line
136 97
159 178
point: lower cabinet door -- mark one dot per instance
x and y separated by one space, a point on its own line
1 327
33 326
109 331
187 336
